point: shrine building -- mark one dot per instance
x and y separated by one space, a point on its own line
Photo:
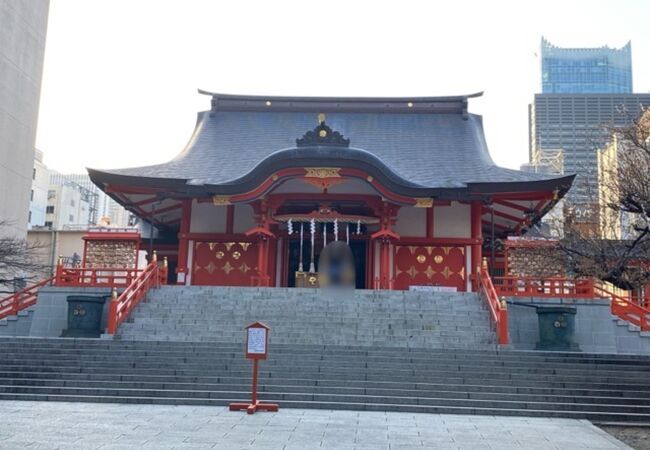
266 183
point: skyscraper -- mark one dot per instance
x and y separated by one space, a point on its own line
584 91
586 70
22 46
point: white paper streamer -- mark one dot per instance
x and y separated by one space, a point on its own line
290 227
347 233
336 229
312 227
324 235
358 226
301 238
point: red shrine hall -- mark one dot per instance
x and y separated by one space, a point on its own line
405 187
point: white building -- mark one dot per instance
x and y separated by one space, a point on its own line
38 195
66 207
103 209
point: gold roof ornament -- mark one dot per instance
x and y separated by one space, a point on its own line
321 118
423 202
221 200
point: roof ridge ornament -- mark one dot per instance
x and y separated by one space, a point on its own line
322 135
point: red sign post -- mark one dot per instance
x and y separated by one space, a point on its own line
257 339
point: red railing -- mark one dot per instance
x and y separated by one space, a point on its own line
512 286
121 306
94 277
22 299
626 310
498 308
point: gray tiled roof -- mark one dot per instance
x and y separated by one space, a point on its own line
428 150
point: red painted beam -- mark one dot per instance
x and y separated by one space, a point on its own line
511 205
163 210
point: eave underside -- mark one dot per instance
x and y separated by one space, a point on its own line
508 208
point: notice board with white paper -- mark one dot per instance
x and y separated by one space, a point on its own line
256 341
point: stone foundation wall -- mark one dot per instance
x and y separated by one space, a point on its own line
596 329
51 309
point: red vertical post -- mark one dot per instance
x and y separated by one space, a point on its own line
385 261
477 237
254 387
186 215
262 259
429 222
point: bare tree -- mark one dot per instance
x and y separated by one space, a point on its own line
19 262
599 249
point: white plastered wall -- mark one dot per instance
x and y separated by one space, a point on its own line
207 218
411 222
244 219
452 221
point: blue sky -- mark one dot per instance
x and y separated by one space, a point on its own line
120 77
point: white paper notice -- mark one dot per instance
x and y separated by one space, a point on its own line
257 341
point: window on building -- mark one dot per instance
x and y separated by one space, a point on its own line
34 173
71 218
49 209
48 224
51 194
72 202
29 218
31 195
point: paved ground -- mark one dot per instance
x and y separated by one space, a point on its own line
118 426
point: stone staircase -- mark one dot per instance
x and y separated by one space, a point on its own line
18 324
363 350
313 317
598 387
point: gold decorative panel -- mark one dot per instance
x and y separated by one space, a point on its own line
322 172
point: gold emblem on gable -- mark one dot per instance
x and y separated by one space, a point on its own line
322 172
221 200
423 202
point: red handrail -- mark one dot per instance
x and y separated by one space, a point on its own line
122 305
627 310
21 299
94 276
515 286
498 309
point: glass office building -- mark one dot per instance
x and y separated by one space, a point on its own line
600 70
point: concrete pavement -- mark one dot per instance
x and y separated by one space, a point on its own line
51 425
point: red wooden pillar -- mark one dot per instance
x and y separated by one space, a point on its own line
384 265
477 236
385 236
264 235
181 268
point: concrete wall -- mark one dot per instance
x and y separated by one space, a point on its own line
23 25
597 330
53 244
51 310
